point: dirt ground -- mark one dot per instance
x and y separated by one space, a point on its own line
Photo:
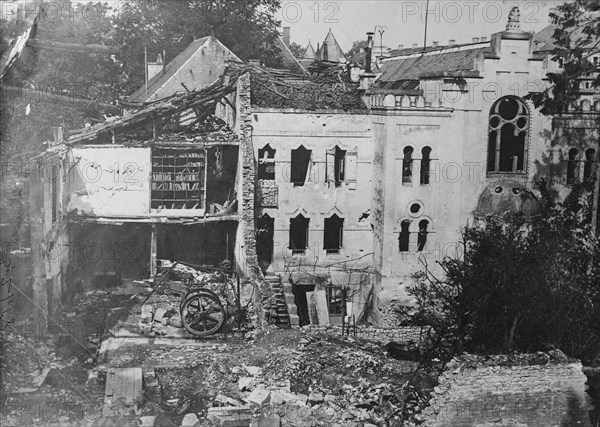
332 380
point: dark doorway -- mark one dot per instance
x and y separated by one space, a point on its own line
264 239
299 292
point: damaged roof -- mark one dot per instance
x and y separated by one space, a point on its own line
174 66
330 90
404 73
203 99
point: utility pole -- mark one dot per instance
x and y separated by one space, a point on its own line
426 21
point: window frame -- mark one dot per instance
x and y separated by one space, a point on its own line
523 112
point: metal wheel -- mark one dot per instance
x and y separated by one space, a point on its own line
202 313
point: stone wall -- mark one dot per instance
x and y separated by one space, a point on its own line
404 334
542 389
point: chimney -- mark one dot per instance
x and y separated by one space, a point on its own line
325 56
368 52
451 42
286 36
484 39
155 67
436 44
400 46
475 39
319 56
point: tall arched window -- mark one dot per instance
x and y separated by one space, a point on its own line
588 169
425 162
422 236
407 166
572 166
299 234
404 237
508 135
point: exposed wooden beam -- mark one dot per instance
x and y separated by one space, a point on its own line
35 95
73 47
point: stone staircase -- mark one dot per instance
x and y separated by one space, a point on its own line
285 311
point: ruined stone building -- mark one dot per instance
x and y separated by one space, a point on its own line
315 182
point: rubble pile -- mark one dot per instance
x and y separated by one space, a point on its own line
409 335
306 380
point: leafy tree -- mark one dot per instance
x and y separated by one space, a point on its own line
576 39
519 289
297 50
248 28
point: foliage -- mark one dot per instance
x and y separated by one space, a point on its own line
516 288
297 50
247 28
576 38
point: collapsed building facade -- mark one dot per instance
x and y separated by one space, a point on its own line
313 183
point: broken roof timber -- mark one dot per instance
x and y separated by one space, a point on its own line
206 97
163 218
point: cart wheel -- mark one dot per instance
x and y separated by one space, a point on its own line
202 313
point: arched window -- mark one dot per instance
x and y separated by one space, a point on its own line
333 234
407 166
425 162
300 166
588 169
422 236
266 163
508 136
299 234
404 237
572 166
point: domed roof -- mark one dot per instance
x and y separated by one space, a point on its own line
502 197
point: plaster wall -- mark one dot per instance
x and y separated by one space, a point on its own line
204 67
286 130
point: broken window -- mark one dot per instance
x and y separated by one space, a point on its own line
178 178
404 237
508 131
425 164
422 236
266 163
299 234
407 166
333 234
336 165
300 166
572 166
588 168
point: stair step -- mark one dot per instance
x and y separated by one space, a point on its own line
294 320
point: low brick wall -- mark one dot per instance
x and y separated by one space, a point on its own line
542 389
403 334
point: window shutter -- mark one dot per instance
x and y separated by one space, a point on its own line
351 165
330 165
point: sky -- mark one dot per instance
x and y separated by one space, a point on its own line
402 21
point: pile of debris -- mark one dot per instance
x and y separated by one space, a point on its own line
273 88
